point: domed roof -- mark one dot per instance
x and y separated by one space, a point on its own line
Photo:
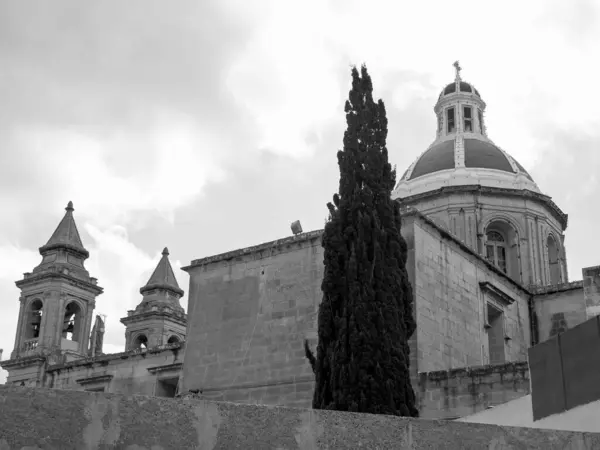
462 154
462 86
463 161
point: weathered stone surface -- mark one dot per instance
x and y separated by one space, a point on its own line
56 419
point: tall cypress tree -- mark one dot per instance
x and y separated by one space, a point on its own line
365 317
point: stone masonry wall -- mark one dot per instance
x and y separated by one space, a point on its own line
451 304
247 321
69 420
133 372
448 394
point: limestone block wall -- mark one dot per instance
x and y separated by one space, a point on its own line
453 287
448 394
135 372
83 420
248 315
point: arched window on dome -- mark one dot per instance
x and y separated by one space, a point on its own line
495 250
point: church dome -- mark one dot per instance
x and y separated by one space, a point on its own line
462 153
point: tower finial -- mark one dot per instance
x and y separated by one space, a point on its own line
165 252
70 207
458 69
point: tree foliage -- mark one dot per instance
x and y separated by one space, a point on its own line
365 317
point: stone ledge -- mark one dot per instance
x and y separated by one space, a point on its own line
555 288
90 361
303 237
475 371
75 420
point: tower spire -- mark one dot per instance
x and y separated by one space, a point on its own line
66 235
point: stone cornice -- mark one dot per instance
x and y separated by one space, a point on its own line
26 361
95 379
554 288
491 288
167 287
51 274
146 315
165 368
272 245
521 193
78 251
91 361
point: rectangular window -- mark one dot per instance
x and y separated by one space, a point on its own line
467 119
450 119
480 117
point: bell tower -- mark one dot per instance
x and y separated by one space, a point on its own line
159 319
57 302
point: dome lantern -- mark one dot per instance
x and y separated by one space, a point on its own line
462 153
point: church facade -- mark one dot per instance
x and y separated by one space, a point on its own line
487 263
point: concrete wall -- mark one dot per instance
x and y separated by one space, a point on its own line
559 308
451 304
82 420
520 413
448 394
148 372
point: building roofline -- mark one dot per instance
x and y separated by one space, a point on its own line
302 237
53 272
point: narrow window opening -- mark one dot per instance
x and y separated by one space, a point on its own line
450 120
71 322
468 119
35 320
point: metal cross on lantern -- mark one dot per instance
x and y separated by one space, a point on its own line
458 69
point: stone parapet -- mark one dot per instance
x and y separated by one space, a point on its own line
84 420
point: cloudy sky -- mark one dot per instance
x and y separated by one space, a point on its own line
209 126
